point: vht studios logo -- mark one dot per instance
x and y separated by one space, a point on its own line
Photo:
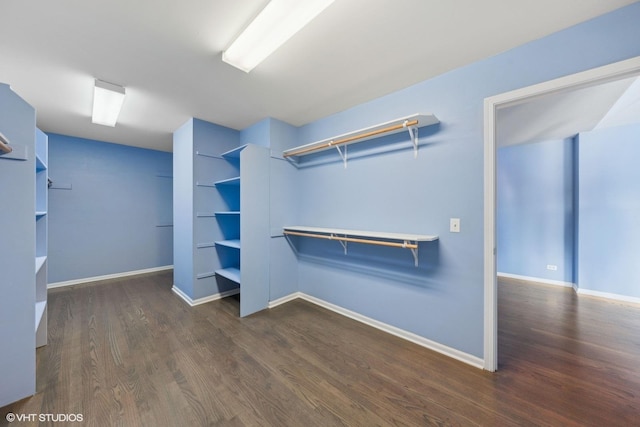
52 418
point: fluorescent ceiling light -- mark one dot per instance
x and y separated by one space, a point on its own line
107 102
274 25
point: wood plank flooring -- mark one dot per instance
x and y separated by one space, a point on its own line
128 352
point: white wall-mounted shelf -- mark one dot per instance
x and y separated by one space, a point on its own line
409 124
344 236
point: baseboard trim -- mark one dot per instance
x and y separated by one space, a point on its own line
193 302
285 299
607 295
401 333
107 277
537 280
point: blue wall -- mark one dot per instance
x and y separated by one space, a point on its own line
116 216
441 300
609 211
535 213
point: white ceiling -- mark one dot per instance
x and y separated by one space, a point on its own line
167 55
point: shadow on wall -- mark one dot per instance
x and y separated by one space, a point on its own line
394 264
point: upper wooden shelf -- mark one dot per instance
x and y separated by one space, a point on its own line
409 123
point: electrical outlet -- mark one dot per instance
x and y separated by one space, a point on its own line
552 267
454 225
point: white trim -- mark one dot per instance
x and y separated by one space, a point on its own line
611 72
285 299
193 302
538 280
607 295
107 277
409 336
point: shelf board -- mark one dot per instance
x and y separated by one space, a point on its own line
40 308
40 213
40 262
228 213
40 165
235 153
364 234
361 135
230 181
205 184
234 243
231 273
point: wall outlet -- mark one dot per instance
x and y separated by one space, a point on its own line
454 225
552 267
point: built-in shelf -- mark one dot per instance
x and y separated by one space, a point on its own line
40 165
40 213
227 213
380 238
230 181
40 262
234 243
205 275
205 245
205 214
40 310
235 153
409 124
230 273
205 184
203 154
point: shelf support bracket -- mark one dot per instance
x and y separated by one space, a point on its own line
342 242
414 252
413 133
343 155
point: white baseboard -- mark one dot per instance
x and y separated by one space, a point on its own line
107 277
193 302
284 299
409 336
576 289
537 280
607 295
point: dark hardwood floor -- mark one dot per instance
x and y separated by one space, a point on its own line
129 352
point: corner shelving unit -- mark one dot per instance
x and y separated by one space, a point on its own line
343 236
41 220
230 190
404 124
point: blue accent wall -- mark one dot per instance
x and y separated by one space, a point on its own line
442 299
609 211
110 208
535 210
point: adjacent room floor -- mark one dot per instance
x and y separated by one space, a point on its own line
129 352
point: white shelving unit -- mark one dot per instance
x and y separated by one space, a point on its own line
380 238
340 142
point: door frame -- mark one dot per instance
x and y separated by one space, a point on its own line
592 77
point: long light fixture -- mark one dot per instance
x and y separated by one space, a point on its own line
274 25
107 103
